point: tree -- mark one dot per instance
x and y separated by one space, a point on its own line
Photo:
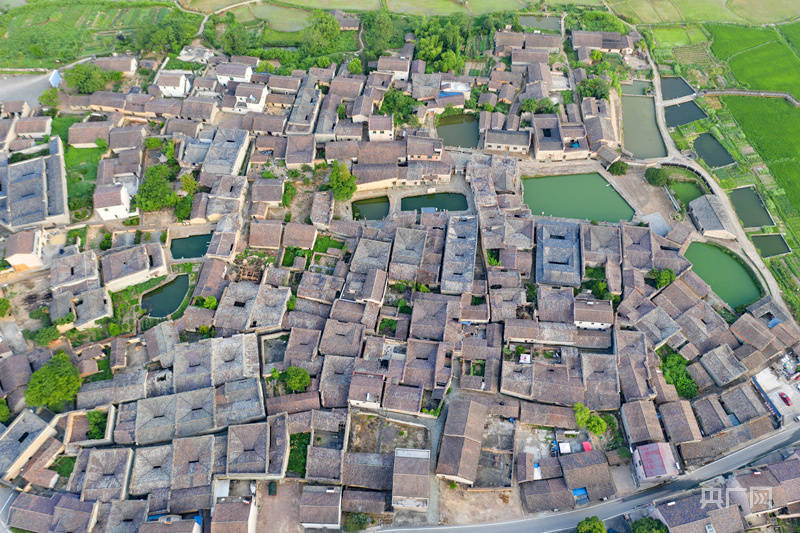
183 207
189 184
5 413
591 524
101 143
582 414
155 192
5 306
618 168
594 87
210 302
341 182
171 34
86 78
297 379
341 111
401 106
49 98
97 424
538 107
596 425
662 277
235 40
657 177
596 55
321 37
448 61
649 525
354 67
56 383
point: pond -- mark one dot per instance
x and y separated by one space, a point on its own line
639 127
710 150
771 244
673 87
637 88
167 298
371 208
584 196
540 23
750 208
450 201
685 191
190 247
458 130
727 276
678 115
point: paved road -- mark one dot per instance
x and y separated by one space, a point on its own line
553 522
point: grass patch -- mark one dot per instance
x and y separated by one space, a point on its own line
324 243
61 124
290 253
63 466
771 67
298 453
388 326
103 371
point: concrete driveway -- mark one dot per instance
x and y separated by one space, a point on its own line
26 87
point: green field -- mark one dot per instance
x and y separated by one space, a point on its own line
42 33
282 18
771 67
792 34
729 39
675 36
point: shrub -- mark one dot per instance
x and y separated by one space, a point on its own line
355 66
618 168
289 192
5 414
662 277
97 424
582 414
591 524
596 425
649 525
155 192
341 182
5 306
105 244
493 257
594 87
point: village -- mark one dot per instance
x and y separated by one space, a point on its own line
330 300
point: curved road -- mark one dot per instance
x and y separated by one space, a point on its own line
674 156
552 522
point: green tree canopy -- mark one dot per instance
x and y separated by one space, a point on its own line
401 106
189 184
49 98
341 182
321 37
86 78
354 67
582 414
56 383
656 176
538 107
594 87
5 413
662 277
297 379
596 425
591 524
155 191
169 35
618 168
649 525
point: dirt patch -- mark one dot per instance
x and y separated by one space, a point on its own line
281 511
374 434
498 434
533 440
494 469
458 506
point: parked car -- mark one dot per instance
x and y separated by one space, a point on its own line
785 398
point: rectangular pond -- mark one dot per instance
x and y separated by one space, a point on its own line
584 196
771 244
552 24
442 201
458 130
190 247
674 87
678 115
727 275
710 150
167 298
637 88
639 127
371 208
750 208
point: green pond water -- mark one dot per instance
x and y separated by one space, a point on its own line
678 115
728 278
639 128
584 196
710 150
189 247
685 191
371 208
673 87
167 298
770 245
750 208
459 130
540 23
442 201
638 87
